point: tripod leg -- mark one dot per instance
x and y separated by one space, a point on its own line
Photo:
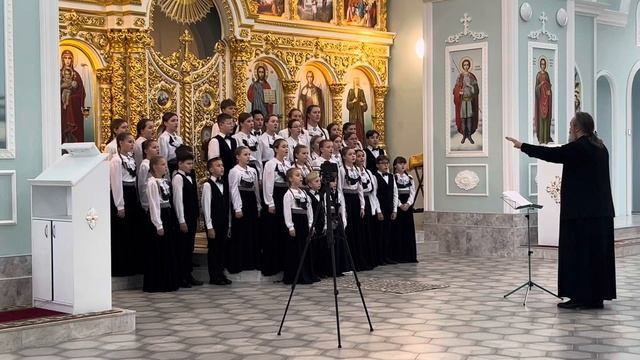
295 280
545 290
335 291
526 294
516 289
355 275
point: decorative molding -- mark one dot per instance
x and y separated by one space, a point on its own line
607 75
483 106
14 198
553 189
570 69
535 35
467 179
50 83
561 17
531 190
603 15
510 98
627 133
475 35
9 152
427 114
526 11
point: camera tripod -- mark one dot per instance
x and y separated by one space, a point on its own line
325 208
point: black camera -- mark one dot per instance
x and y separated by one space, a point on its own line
328 172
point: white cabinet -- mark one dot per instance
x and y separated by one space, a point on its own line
70 233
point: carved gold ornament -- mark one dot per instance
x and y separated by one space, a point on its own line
186 11
553 189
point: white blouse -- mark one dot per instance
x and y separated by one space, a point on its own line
138 155
143 176
206 201
265 146
178 195
369 188
159 192
168 144
293 143
274 172
349 178
122 169
317 130
251 141
406 179
296 199
237 176
111 149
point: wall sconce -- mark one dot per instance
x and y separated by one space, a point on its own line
420 48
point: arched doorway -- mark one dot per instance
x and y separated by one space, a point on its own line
634 146
604 114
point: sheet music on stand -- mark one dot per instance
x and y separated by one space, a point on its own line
517 201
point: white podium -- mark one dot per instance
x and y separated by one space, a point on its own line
70 233
549 184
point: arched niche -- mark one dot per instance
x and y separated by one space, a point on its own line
266 94
314 78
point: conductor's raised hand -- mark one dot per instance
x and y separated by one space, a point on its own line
516 143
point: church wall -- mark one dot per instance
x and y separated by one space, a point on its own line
617 53
404 129
15 240
485 196
550 8
585 60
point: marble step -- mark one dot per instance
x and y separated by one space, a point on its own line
46 333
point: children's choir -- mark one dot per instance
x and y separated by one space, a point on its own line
260 204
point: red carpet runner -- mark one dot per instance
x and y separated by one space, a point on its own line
26 314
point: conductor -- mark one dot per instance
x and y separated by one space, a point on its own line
586 259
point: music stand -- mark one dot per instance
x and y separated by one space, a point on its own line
518 202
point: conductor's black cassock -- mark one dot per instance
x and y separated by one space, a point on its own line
586 259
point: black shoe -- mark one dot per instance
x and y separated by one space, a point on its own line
185 284
217 282
194 282
227 281
571 304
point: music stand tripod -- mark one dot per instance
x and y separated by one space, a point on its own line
325 208
530 283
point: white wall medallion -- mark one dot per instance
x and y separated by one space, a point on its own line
475 35
92 218
467 180
553 189
561 17
543 30
526 11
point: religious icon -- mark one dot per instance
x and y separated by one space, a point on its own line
270 7
361 12
357 106
311 94
259 91
72 96
577 91
543 103
206 101
465 98
163 98
316 10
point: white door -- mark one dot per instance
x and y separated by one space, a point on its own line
62 262
41 259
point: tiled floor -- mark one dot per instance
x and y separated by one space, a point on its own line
468 320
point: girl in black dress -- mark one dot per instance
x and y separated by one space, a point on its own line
244 250
404 248
161 273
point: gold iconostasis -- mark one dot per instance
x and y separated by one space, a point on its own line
135 59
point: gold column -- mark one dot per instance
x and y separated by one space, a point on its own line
137 42
293 10
379 93
290 88
118 64
336 101
104 81
240 56
186 91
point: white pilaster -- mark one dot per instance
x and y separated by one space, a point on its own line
427 107
49 82
510 102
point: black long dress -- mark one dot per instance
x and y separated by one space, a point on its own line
125 258
274 236
243 250
586 258
404 250
161 273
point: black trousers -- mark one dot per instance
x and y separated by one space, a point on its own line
186 247
217 249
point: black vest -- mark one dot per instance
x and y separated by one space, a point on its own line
371 159
385 193
320 216
189 199
227 153
219 205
